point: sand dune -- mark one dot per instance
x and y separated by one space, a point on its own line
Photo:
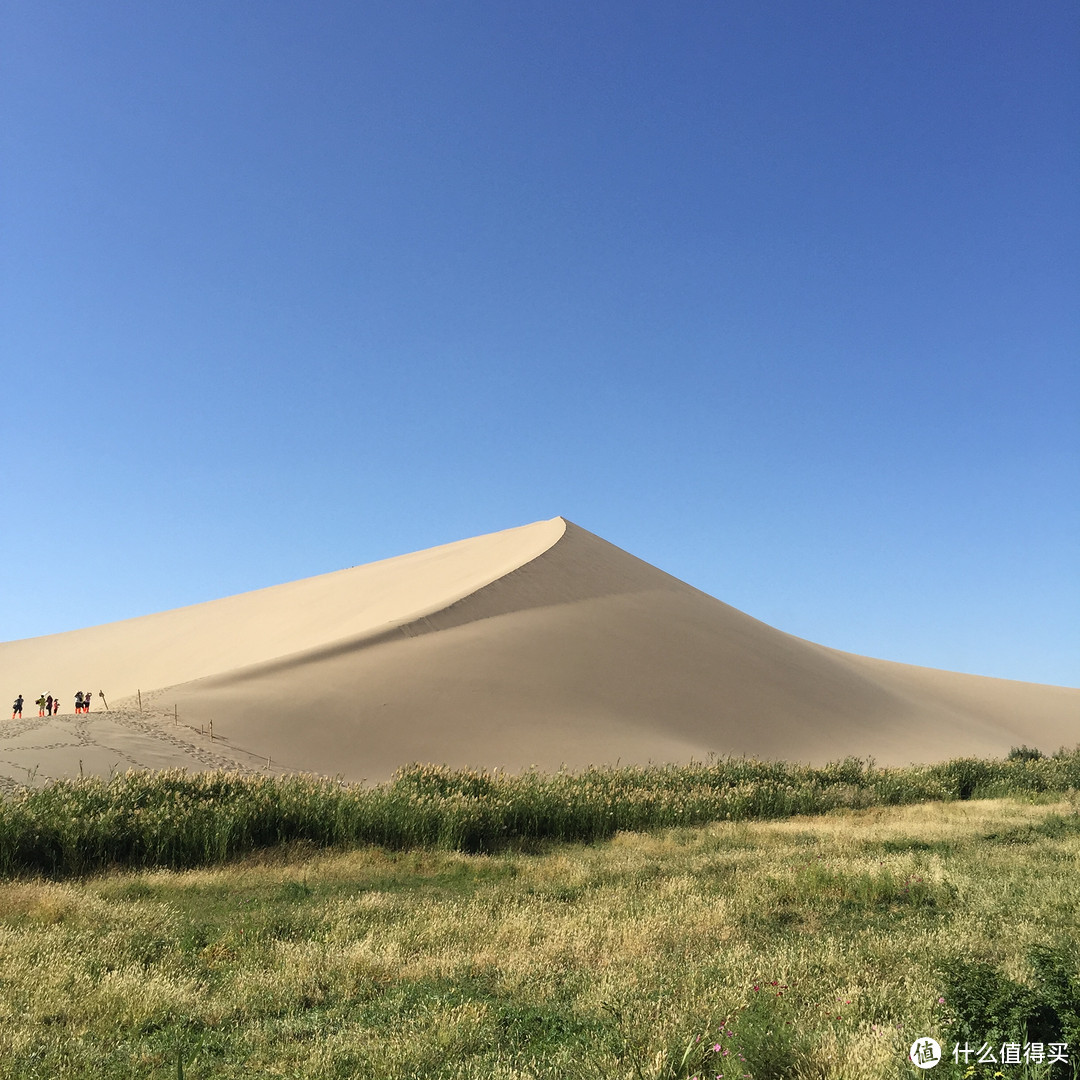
191 642
543 645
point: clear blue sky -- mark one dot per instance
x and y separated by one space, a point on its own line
781 297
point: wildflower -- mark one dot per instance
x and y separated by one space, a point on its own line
941 1001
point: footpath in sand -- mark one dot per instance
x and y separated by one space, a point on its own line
543 645
36 749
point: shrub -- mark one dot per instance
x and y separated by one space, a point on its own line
989 1007
1025 753
176 819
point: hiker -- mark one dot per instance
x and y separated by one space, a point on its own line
86 700
48 705
78 701
55 705
16 708
40 703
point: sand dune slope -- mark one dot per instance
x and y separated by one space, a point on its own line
191 642
542 645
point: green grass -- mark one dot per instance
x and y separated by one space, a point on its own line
764 920
178 820
816 947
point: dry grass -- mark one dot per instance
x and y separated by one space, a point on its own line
597 961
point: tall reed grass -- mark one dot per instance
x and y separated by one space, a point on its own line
178 820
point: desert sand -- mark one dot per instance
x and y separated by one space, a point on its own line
538 646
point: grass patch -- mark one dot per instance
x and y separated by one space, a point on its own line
734 918
177 820
816 947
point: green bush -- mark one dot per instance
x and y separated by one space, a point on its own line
986 1006
176 819
1024 753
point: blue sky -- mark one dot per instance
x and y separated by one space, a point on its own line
781 298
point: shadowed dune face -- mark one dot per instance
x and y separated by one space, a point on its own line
549 646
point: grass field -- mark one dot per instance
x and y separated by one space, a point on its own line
814 946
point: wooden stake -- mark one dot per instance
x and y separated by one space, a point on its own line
174 716
139 692
211 729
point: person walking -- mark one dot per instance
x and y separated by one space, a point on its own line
40 703
16 708
86 700
48 705
55 705
78 702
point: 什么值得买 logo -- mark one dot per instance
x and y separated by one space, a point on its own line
925 1053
